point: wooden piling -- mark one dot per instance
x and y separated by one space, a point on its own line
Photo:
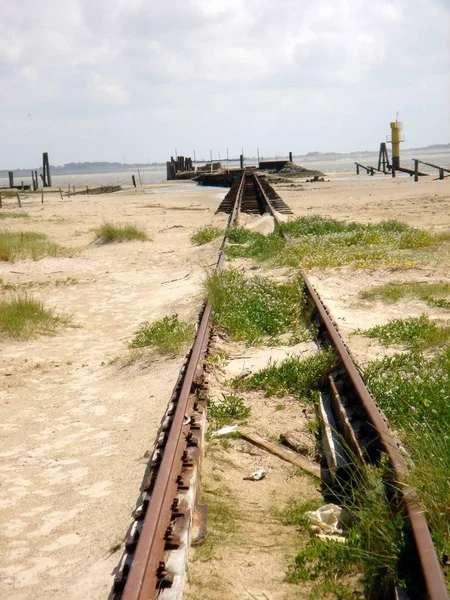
393 170
11 178
60 193
133 179
42 195
87 190
441 173
290 157
241 160
47 180
416 170
18 200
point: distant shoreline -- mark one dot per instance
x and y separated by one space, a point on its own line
98 167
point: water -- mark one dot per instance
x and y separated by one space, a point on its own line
338 164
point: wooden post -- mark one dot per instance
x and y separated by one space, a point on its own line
46 170
371 171
60 193
21 183
393 170
416 170
357 168
73 189
241 160
36 180
42 195
87 190
441 173
18 200
11 178
133 179
290 156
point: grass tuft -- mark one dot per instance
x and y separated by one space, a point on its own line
168 335
119 232
14 215
228 411
257 309
415 333
23 317
295 376
18 245
206 234
433 294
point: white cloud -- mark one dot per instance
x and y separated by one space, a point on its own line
200 72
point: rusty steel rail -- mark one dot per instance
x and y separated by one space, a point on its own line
148 572
432 573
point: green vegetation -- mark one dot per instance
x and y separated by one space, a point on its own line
257 309
415 333
413 391
23 317
119 232
206 234
300 378
168 335
321 242
374 543
433 294
17 245
228 411
14 215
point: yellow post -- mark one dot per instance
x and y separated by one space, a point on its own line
396 132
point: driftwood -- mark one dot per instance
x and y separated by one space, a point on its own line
282 452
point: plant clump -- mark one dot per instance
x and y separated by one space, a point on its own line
119 232
320 242
415 333
301 378
168 335
18 245
23 317
257 309
206 234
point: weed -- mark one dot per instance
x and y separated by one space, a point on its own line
432 294
14 215
257 309
23 317
17 245
321 242
119 232
413 392
169 335
415 333
218 358
6 286
206 234
298 377
375 541
228 411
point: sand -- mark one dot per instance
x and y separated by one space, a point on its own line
75 429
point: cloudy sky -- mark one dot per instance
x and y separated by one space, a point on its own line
135 79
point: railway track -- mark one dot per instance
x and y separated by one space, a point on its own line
158 541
